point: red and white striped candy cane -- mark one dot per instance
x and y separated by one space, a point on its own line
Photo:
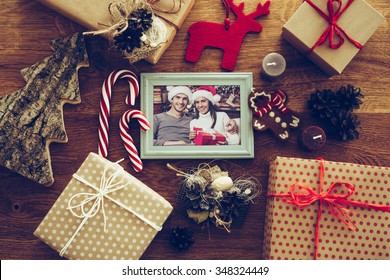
105 104
128 140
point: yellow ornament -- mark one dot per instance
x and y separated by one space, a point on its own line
198 217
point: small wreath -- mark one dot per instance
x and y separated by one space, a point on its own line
210 194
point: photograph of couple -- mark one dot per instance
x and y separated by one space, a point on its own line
196 115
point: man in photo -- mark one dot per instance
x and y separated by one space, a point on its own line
173 127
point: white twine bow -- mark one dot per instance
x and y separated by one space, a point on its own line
107 185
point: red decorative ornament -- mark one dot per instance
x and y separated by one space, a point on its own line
227 36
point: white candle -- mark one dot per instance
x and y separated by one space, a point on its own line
273 65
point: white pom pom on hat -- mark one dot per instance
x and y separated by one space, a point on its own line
208 92
175 90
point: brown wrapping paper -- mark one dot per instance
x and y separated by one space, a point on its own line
290 231
94 15
306 26
127 235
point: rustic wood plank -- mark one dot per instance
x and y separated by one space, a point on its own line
27 27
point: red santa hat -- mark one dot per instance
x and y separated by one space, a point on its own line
208 92
175 90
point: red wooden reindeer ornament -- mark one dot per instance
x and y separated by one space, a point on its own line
224 36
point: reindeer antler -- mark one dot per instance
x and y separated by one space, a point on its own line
261 10
237 10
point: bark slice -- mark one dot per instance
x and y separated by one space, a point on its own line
31 118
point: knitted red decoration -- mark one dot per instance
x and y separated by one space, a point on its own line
224 36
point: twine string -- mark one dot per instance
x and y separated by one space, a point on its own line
172 10
120 11
227 14
154 37
108 184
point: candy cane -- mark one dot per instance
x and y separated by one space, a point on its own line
105 104
128 140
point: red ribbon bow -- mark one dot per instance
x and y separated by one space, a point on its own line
334 202
334 29
276 99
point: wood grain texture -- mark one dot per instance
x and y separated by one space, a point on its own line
27 28
31 117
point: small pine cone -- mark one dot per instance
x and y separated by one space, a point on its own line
128 40
181 238
349 97
347 125
323 103
141 19
326 103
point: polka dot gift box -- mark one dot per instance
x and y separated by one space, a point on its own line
103 213
320 209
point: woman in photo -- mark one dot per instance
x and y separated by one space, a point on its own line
208 119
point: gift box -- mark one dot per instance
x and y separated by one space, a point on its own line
307 27
207 137
94 15
103 213
357 194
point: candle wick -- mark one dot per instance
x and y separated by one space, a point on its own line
271 63
317 137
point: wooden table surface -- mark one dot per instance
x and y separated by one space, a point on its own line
27 27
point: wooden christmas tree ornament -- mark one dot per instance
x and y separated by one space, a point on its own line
31 118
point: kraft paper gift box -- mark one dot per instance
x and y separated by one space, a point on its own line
290 230
94 15
207 137
306 26
121 214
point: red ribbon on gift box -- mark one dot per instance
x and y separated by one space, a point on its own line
334 202
334 29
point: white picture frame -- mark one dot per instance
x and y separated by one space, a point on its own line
151 82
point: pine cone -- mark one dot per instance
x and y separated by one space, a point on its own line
347 125
140 19
181 238
349 97
198 199
337 107
128 40
323 103
228 207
